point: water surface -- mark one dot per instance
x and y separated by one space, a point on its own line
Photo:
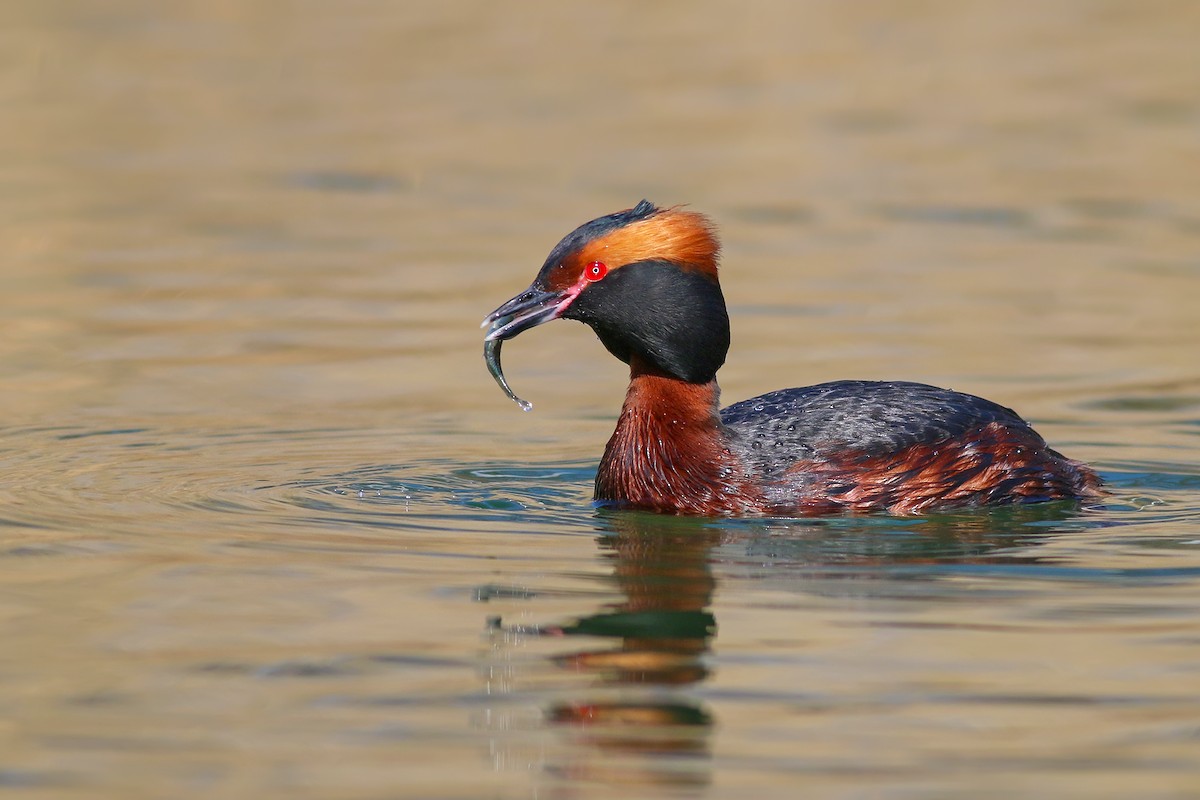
268 529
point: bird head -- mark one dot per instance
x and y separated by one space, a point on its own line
644 279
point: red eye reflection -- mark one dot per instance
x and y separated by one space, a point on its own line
595 271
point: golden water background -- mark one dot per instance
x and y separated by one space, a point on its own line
268 529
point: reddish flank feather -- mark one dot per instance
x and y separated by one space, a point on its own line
994 465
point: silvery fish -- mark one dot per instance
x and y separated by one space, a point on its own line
491 355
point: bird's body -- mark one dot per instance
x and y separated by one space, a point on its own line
646 281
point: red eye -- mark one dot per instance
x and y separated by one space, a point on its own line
595 271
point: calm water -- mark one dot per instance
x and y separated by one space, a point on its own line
267 528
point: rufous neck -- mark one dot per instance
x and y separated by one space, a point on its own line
669 451
655 393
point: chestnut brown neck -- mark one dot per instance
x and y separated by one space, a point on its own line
669 452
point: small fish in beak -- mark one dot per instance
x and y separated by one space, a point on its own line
491 355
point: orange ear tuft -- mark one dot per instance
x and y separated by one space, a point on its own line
685 238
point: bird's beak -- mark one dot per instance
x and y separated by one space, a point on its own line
529 309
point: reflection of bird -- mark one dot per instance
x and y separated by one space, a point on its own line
645 280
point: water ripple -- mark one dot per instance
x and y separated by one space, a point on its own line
139 479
